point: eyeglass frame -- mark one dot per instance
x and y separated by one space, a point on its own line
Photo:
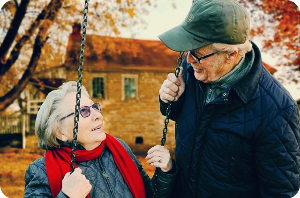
198 59
82 108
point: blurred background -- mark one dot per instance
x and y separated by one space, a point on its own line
125 65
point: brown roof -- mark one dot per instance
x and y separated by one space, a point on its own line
103 53
110 53
46 85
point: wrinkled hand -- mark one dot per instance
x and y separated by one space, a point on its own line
76 185
172 87
160 157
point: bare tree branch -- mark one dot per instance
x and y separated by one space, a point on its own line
6 65
13 30
14 93
40 40
17 5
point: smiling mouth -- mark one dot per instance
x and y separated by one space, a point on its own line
197 70
97 128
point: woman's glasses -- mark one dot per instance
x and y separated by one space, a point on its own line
85 111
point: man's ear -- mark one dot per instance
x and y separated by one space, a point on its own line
232 56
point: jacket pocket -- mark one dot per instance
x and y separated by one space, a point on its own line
235 165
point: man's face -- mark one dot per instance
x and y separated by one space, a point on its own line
209 69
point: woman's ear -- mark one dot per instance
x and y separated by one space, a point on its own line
61 136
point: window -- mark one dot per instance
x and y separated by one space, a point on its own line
33 106
130 90
139 140
129 86
98 87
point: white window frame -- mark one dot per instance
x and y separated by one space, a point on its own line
104 76
135 76
33 106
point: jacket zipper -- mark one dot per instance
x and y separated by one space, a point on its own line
209 95
106 179
204 135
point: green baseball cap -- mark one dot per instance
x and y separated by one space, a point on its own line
209 21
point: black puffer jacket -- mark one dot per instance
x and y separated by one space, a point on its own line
108 183
245 143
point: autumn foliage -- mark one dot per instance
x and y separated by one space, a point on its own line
277 23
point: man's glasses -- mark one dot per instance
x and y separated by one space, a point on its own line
201 58
85 111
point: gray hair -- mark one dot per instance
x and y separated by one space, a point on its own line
47 122
227 48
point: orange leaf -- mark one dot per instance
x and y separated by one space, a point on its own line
116 31
112 23
130 12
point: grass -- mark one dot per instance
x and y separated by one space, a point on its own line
15 161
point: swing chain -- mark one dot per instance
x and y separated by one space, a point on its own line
168 111
79 85
165 130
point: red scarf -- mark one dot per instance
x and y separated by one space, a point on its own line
58 164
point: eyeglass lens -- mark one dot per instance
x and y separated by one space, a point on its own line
85 111
96 106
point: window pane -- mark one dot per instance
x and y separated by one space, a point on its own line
98 88
130 88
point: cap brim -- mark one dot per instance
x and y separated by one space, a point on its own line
179 40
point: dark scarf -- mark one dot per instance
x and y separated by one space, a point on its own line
58 164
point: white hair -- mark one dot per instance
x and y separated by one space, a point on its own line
47 122
227 48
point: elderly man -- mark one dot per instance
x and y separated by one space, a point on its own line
237 128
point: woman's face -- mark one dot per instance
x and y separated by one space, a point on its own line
90 129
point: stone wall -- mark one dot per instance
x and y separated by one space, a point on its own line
133 119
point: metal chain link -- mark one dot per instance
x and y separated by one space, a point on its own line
167 119
168 111
79 85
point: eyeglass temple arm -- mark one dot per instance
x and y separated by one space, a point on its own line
201 58
67 116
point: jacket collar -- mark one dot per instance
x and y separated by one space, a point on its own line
247 85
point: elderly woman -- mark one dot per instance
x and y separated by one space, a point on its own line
106 165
